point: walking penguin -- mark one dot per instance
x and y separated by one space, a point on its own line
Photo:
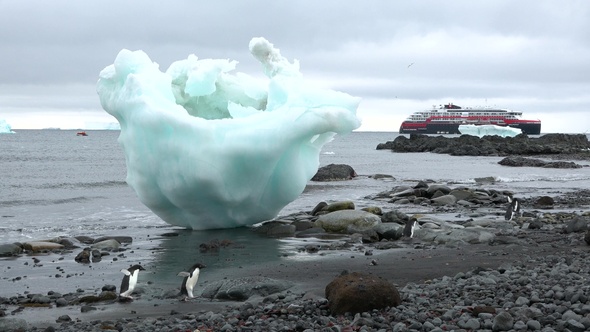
512 209
129 281
190 280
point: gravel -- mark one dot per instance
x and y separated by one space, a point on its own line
547 293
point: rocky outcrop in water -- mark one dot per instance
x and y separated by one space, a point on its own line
465 145
334 172
517 161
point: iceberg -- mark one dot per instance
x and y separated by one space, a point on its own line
208 149
91 125
489 130
5 127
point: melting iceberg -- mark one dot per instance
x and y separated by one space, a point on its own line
209 149
5 127
489 130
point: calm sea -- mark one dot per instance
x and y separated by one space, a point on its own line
55 183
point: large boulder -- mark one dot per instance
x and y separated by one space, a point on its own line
334 172
358 292
348 221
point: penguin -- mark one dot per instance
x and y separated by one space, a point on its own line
190 280
410 226
512 209
129 280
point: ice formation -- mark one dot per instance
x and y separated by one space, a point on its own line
489 130
91 125
208 149
5 127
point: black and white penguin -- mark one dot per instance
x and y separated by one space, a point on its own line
190 280
512 209
129 280
409 228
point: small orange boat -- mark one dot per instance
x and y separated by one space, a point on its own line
81 133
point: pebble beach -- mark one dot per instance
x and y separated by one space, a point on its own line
529 279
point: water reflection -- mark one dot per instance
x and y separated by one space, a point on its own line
238 247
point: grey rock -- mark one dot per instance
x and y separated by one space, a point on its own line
394 216
444 200
13 324
503 322
340 221
10 249
120 239
108 244
389 231
533 325
575 225
243 288
575 326
334 172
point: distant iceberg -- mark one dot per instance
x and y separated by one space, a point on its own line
5 127
489 130
102 126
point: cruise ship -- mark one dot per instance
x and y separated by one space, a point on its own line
446 119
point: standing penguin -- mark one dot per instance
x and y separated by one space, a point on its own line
129 281
190 280
512 209
410 227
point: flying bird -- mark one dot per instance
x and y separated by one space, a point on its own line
190 280
129 281
410 65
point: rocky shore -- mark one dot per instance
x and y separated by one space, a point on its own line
465 267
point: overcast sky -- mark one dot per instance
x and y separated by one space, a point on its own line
398 56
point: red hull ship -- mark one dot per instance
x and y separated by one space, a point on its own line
447 118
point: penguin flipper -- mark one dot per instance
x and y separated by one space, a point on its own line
183 274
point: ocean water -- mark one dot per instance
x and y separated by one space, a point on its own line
54 183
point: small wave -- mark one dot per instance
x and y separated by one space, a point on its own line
103 184
44 201
525 178
532 178
329 153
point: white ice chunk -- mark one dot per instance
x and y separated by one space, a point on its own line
489 130
5 127
207 149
